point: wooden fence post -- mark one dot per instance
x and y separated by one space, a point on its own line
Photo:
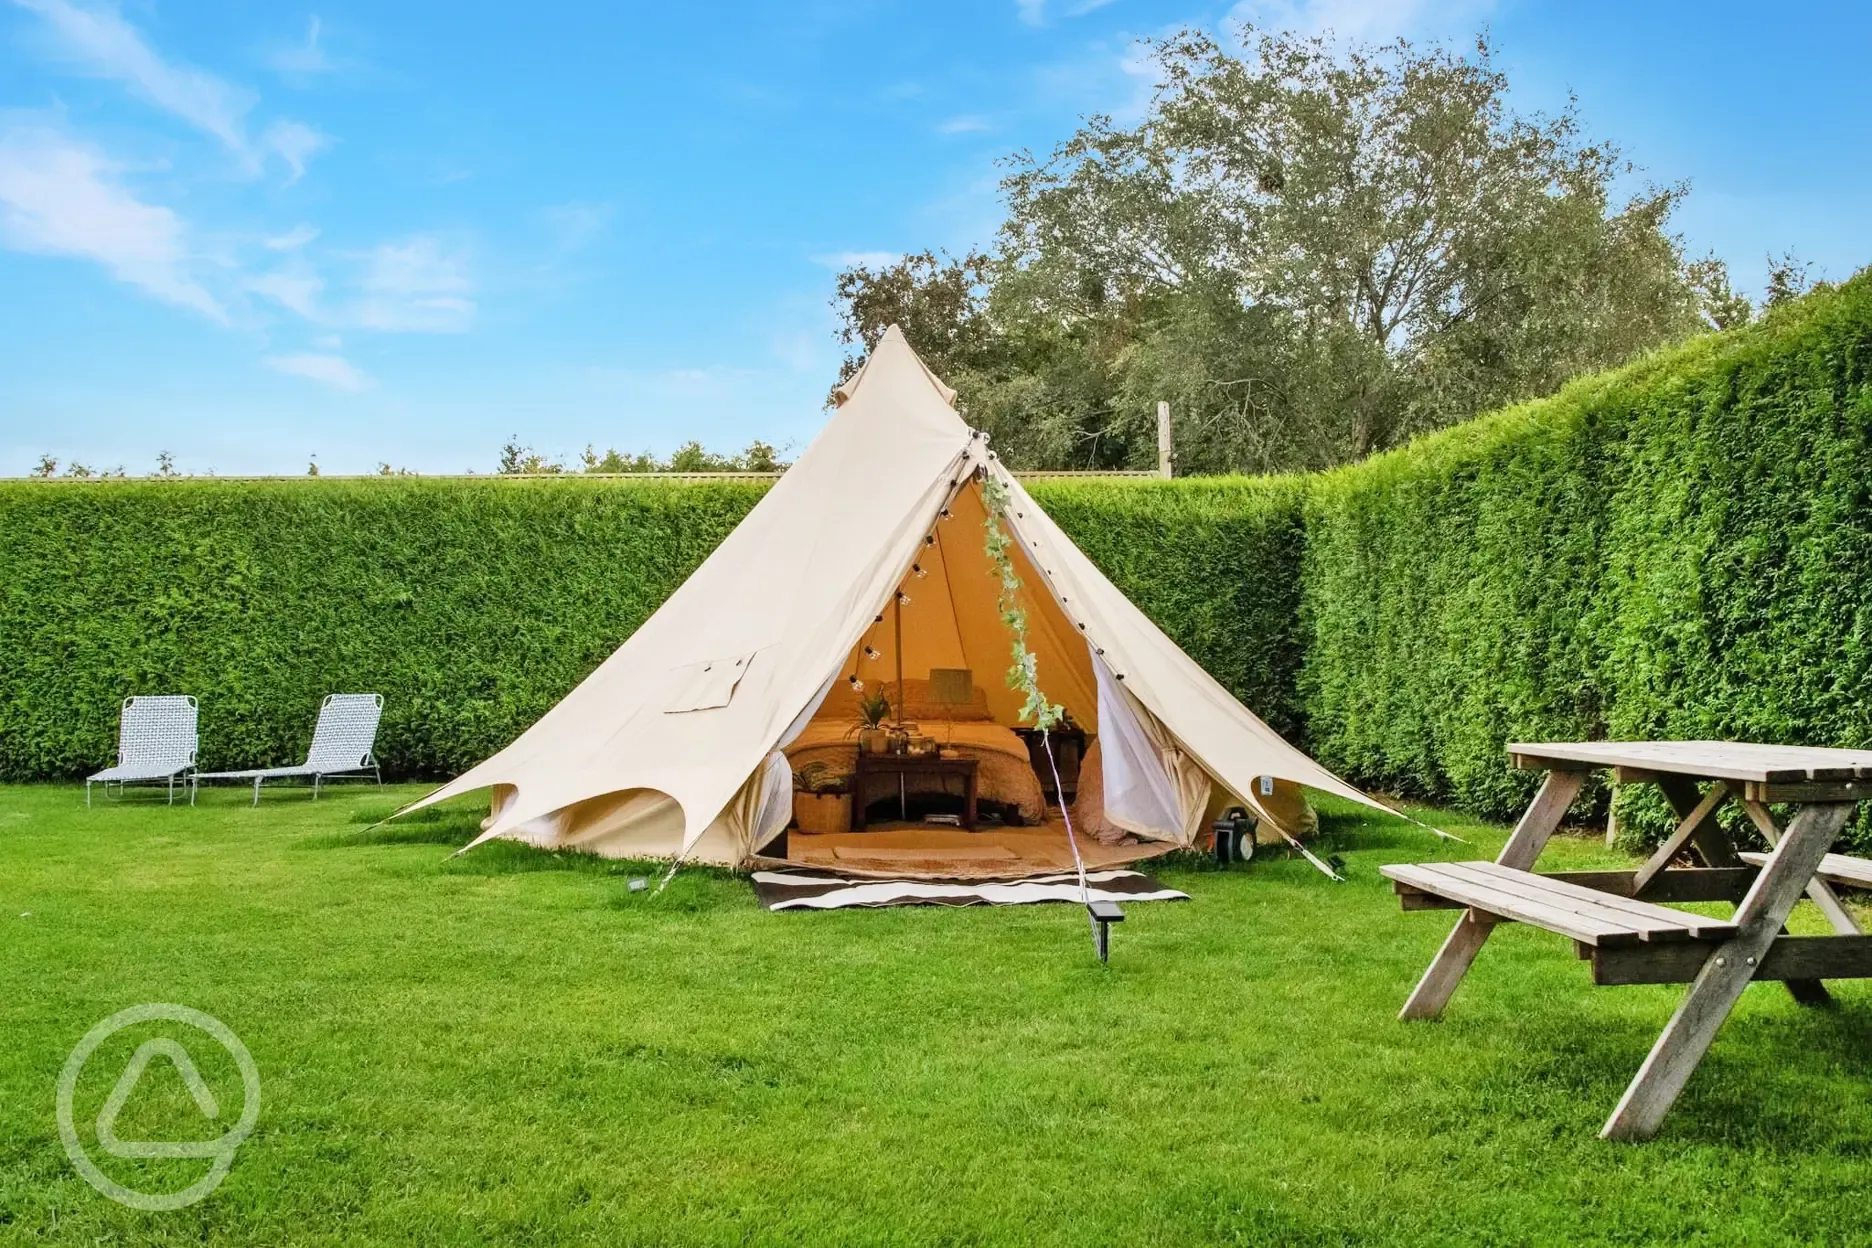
1165 460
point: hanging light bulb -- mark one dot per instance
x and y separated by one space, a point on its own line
856 684
873 653
920 570
945 514
903 599
929 539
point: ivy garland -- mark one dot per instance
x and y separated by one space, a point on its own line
1024 675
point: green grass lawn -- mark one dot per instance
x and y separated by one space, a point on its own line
512 1047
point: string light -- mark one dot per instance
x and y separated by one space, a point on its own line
903 599
856 684
929 539
920 571
945 513
873 654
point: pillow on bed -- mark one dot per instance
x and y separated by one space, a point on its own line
917 706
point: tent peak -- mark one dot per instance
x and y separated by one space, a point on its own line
893 352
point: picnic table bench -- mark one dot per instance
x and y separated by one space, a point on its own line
1616 918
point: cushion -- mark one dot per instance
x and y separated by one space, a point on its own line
916 705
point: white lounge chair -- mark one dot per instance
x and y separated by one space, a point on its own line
341 745
156 742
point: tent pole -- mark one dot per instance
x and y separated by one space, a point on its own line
903 797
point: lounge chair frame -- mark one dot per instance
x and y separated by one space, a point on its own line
343 746
157 738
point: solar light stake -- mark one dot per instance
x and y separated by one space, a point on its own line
1103 914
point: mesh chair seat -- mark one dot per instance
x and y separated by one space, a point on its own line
125 772
156 742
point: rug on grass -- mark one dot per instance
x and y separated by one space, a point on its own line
827 890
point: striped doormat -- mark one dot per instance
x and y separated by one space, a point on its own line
825 890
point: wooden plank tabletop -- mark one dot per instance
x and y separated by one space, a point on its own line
1725 760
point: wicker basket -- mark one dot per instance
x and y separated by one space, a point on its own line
820 813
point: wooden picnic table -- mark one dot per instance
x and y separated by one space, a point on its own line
1615 917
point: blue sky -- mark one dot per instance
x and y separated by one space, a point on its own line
250 233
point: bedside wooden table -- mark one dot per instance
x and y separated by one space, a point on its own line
901 765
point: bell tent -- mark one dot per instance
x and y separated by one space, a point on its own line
867 560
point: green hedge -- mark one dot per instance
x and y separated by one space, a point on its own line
472 606
1678 549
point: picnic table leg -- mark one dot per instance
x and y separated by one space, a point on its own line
1712 843
1728 971
1717 850
1818 890
1472 929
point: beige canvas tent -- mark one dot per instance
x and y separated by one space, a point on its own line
684 742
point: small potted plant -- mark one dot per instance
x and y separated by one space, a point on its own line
873 710
821 800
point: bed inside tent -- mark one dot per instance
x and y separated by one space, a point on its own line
939 653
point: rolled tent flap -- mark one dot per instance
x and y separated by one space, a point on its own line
1151 789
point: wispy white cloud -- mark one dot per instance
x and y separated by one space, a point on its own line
99 41
858 259
296 288
304 58
61 197
972 123
295 143
416 285
1033 12
575 224
331 370
1116 78
293 239
102 42
1362 19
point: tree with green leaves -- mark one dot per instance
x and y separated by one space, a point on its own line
1313 252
